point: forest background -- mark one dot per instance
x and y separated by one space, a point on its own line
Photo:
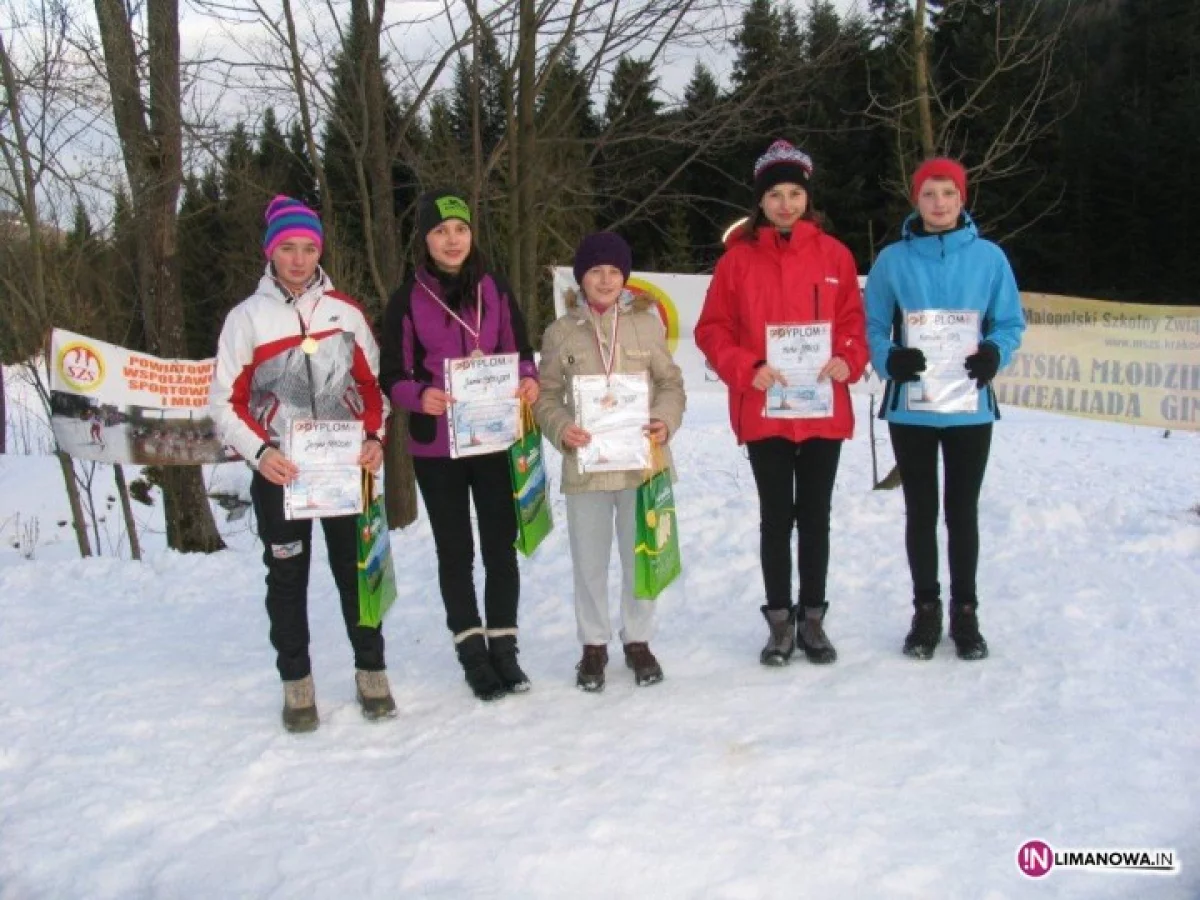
133 175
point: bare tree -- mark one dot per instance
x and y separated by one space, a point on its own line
27 159
945 108
146 106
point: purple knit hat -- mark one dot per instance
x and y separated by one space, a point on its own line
288 218
781 163
603 248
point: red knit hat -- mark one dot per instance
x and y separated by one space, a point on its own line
940 167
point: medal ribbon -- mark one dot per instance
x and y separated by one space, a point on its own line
607 361
304 326
473 332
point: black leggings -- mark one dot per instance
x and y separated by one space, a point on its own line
447 487
287 551
965 454
795 487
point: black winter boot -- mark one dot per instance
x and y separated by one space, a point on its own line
781 641
477 667
964 631
810 635
926 630
503 651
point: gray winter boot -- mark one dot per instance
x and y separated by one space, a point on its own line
300 705
374 695
781 642
810 634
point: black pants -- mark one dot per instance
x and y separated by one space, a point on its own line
287 552
795 487
965 454
447 487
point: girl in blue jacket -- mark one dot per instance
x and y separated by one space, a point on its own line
942 271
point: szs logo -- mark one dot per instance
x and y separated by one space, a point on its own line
81 366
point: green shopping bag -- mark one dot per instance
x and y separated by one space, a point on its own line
376 574
527 465
656 560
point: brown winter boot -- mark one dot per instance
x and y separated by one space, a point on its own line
646 669
590 670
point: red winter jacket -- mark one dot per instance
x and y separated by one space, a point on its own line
763 279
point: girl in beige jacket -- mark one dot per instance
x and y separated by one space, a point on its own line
605 332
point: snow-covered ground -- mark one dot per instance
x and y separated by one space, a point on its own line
141 754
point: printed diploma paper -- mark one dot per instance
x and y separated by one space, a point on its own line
799 351
485 416
946 337
330 479
614 410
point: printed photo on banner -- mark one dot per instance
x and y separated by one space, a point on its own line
108 404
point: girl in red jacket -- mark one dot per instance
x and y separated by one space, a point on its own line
783 327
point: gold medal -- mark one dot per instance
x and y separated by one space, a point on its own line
309 345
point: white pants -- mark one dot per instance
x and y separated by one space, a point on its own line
590 519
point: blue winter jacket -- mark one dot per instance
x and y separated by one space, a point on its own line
952 270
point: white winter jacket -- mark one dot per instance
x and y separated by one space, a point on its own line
264 379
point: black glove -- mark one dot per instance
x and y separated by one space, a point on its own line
983 364
903 364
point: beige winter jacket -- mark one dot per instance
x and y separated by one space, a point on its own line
569 349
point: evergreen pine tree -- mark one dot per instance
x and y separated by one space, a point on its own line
632 164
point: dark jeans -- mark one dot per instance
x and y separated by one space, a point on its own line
447 487
795 487
287 552
964 452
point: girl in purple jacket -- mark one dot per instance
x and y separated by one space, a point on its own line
451 307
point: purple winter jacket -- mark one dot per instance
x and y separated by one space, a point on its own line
419 336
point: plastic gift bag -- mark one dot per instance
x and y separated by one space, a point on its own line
376 574
656 561
527 464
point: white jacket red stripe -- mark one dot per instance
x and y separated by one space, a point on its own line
264 379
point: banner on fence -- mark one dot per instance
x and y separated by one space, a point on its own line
112 405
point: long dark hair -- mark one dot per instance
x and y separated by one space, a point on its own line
473 269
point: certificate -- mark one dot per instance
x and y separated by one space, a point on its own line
330 479
485 416
946 337
614 410
799 351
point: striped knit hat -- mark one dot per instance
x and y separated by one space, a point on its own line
781 163
288 218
